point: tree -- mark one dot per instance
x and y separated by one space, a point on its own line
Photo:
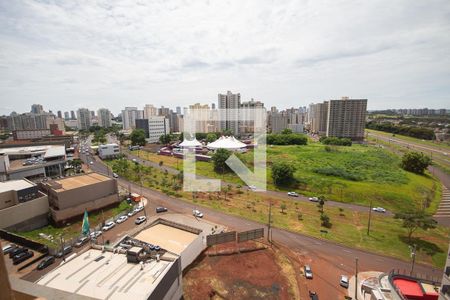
415 162
76 164
211 137
415 220
283 207
282 173
165 139
325 221
286 131
219 159
321 203
138 137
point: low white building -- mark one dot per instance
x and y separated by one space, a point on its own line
108 151
157 126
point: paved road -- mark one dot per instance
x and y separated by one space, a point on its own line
275 194
338 259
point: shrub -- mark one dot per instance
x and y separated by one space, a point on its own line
415 162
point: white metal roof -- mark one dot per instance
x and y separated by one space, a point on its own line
190 143
15 185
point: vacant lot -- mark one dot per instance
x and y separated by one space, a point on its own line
261 274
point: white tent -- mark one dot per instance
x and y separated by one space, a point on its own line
226 142
190 143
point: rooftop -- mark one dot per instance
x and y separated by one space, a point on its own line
52 150
106 276
15 185
74 182
167 237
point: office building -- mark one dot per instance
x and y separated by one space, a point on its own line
37 109
84 119
32 162
69 197
22 206
72 115
229 105
129 117
66 115
59 114
150 110
30 134
104 117
108 151
346 118
178 110
157 126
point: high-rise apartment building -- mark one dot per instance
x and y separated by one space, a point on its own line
66 115
178 110
129 116
59 114
84 118
150 110
163 111
37 109
104 117
347 118
202 115
72 115
229 105
247 115
157 126
317 118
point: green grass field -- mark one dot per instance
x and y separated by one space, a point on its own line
358 174
349 228
444 146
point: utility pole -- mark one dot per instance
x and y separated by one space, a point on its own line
270 221
370 215
356 278
413 255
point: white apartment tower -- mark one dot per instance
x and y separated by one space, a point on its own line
229 105
129 116
150 110
83 118
104 117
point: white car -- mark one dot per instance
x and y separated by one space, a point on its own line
252 187
140 220
108 226
379 209
313 199
292 194
139 208
95 234
121 219
132 213
115 175
197 213
344 281
308 272
91 162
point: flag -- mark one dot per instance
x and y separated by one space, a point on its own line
85 226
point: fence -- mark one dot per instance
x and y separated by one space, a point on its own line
23 241
226 237
250 235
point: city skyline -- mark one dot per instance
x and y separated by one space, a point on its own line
66 56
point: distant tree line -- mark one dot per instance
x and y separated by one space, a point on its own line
412 131
286 137
335 141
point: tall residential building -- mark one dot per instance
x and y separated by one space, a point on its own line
201 114
347 118
104 117
37 109
278 121
66 115
246 115
150 110
84 118
229 105
72 115
317 118
163 111
129 116
178 110
59 114
29 121
92 114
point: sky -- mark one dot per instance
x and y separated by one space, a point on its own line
70 54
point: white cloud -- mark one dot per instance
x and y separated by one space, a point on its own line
65 54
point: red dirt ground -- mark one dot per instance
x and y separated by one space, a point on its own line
252 275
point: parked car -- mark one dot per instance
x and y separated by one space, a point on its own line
66 250
252 187
197 213
379 209
161 209
121 219
140 220
313 295
292 194
95 234
21 257
8 248
46 262
91 162
108 226
115 175
139 208
81 241
308 272
344 281
313 199
17 251
132 213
